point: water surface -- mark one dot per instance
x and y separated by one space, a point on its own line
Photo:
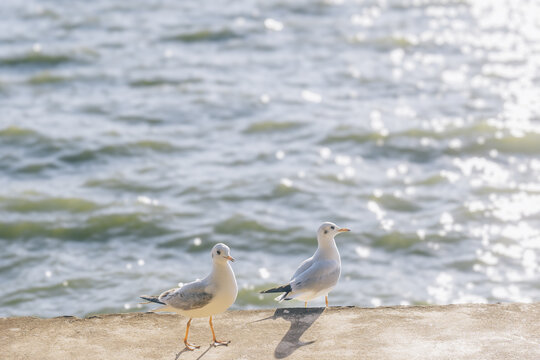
136 135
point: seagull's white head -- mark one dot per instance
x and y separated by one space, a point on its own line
221 253
328 230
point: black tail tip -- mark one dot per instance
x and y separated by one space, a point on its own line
283 288
151 299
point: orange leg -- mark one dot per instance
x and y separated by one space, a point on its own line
305 304
188 345
216 342
326 299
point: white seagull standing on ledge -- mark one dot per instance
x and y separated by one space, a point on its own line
317 275
201 298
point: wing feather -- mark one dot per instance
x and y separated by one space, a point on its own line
320 275
189 297
306 264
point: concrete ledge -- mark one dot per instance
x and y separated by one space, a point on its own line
499 331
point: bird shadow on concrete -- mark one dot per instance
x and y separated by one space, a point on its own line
186 350
180 354
300 319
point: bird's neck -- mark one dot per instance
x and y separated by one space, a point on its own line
222 270
327 249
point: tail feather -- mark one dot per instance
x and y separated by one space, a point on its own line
153 299
282 297
283 288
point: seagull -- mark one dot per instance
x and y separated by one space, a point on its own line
201 298
317 275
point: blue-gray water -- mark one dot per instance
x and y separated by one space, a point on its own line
134 135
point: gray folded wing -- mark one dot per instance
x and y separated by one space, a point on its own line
306 264
189 297
322 274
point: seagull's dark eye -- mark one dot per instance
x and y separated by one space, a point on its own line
218 252
326 231
331 227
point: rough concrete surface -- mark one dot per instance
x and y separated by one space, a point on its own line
498 331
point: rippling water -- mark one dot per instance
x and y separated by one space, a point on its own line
135 135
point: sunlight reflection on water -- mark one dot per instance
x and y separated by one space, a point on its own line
133 141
